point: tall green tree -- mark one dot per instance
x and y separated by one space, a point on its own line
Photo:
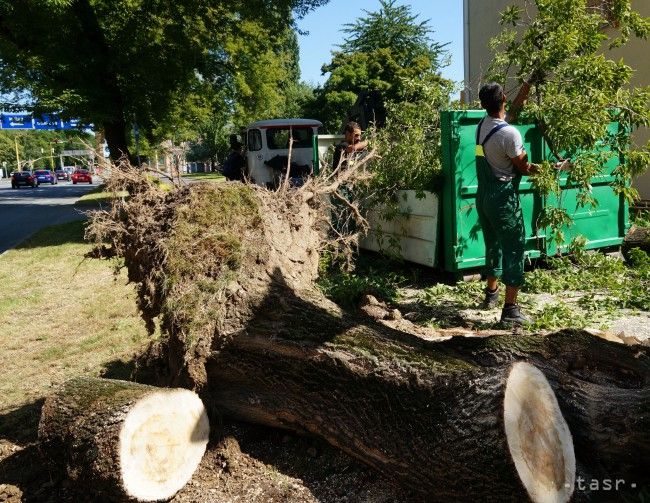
577 89
118 62
381 51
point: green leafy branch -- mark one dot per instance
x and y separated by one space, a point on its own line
577 92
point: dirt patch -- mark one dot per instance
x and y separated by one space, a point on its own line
257 464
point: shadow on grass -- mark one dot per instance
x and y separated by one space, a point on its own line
56 235
20 426
143 369
24 470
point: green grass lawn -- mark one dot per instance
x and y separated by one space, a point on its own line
98 195
213 177
63 315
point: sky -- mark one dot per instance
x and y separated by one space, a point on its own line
325 23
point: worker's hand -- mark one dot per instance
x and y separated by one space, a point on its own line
564 165
533 168
355 147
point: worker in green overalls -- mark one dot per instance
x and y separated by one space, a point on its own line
500 162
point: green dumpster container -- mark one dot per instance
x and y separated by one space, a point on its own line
462 241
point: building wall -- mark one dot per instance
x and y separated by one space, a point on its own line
481 20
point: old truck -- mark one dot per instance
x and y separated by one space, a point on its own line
267 149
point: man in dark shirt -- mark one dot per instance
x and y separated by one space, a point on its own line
350 145
233 168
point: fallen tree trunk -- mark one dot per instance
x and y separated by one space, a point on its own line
121 440
493 435
432 413
229 270
637 237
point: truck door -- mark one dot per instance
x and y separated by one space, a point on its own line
257 171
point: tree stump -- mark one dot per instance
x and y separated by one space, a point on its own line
121 440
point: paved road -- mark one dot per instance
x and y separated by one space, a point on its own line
24 211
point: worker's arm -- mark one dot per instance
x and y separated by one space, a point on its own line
518 102
355 147
523 166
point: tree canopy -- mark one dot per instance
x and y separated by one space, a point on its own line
114 63
381 51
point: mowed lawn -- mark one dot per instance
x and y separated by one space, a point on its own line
61 315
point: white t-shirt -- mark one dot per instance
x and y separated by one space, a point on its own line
501 147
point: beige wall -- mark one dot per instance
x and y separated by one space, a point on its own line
481 19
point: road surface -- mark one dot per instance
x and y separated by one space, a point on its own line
24 211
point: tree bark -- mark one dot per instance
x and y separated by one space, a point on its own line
115 132
638 237
430 413
120 440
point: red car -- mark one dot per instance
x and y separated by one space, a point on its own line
81 175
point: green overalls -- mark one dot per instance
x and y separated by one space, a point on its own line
501 219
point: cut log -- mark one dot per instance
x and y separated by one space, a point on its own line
492 435
122 440
539 439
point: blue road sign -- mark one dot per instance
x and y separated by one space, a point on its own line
47 122
50 122
17 121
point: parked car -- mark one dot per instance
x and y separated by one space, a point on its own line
24 177
45 176
62 174
81 176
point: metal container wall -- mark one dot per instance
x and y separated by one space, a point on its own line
462 241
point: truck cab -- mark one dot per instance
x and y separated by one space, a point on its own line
267 149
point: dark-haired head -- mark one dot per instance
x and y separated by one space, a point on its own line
352 133
492 97
351 126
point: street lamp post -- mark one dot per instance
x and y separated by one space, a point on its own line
17 156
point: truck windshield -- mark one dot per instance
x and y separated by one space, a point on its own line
278 138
